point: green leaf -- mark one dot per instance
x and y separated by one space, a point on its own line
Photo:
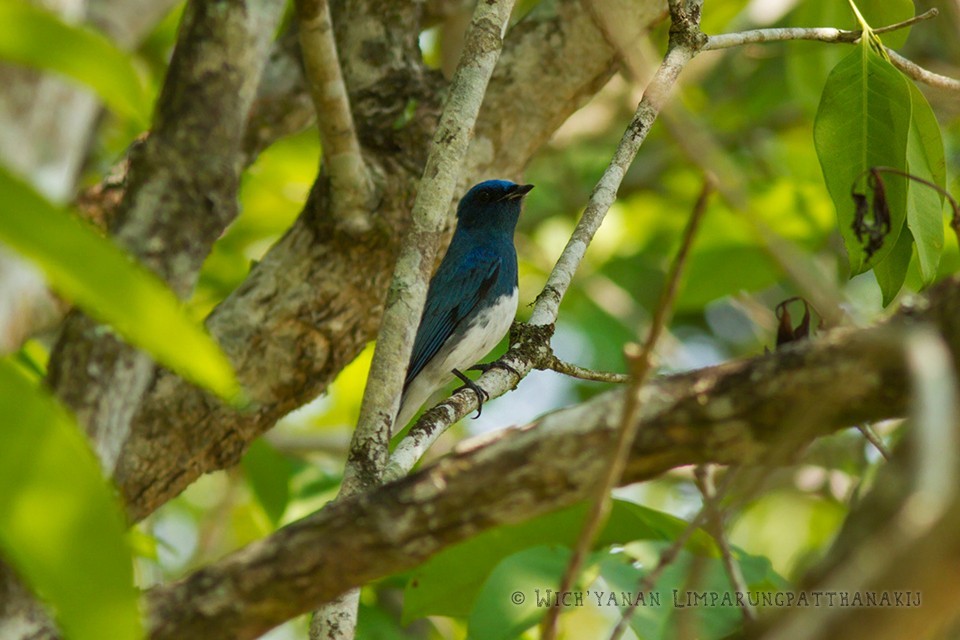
658 621
268 472
514 595
107 283
863 122
808 63
449 582
60 525
924 205
34 37
880 13
892 272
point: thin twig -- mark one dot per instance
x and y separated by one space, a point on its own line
830 34
822 34
640 366
350 181
920 74
669 555
408 290
874 439
554 363
909 22
711 504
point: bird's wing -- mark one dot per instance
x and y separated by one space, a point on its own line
454 294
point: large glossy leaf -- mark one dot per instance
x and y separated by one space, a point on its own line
38 38
110 285
924 205
863 122
448 583
60 525
515 596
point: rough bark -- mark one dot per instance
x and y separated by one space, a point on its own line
180 195
756 411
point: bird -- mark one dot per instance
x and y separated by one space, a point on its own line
472 297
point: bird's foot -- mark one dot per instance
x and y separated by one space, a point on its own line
496 364
470 384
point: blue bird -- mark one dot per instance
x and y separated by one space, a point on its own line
472 298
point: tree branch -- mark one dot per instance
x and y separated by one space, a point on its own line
351 183
910 518
830 34
181 194
732 413
553 363
641 365
669 555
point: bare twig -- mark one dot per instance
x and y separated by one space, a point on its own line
554 363
408 291
874 439
531 344
640 366
830 34
350 181
920 74
670 554
822 34
711 504
704 151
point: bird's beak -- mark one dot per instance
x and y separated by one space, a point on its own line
518 191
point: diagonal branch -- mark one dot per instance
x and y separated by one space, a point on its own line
408 290
351 184
641 365
525 356
732 413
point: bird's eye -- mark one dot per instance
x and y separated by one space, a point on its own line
484 196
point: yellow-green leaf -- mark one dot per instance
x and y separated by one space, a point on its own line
60 525
110 285
37 38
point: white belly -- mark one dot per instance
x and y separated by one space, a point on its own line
482 334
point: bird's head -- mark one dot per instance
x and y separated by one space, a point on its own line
492 205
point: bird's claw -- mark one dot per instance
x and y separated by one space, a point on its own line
482 395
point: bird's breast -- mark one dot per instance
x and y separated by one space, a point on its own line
482 332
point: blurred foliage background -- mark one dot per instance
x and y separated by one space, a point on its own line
757 104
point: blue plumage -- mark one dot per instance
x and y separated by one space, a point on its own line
472 298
